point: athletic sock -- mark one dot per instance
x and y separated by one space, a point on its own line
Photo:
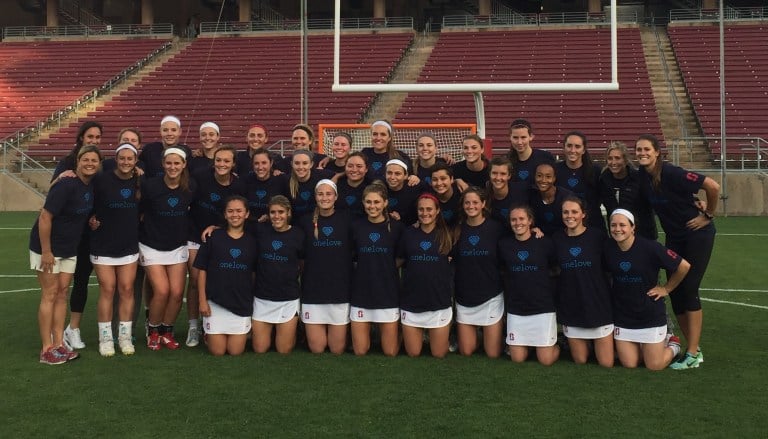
124 329
105 331
675 349
193 323
154 328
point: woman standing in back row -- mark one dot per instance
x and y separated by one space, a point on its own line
689 230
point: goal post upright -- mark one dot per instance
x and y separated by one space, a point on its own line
475 88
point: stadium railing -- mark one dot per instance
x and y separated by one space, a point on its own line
83 16
238 27
753 13
159 29
516 19
749 154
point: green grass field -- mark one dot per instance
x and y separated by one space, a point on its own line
188 393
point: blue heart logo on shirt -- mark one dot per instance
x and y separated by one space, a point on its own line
504 213
87 196
425 245
277 245
215 197
327 230
447 215
235 252
574 251
261 194
428 181
523 174
377 165
374 236
625 266
393 202
350 199
125 193
549 216
474 239
573 181
304 195
173 201
523 255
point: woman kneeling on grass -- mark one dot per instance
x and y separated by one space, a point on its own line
427 283
638 301
53 248
225 281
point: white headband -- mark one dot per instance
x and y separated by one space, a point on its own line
329 183
626 213
126 146
173 119
178 151
398 162
382 123
210 125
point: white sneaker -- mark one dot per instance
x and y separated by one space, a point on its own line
107 348
126 345
193 337
72 338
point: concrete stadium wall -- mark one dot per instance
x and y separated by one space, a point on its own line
747 193
15 196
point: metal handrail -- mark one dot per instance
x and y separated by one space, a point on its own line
231 27
670 88
157 29
264 12
543 19
752 150
82 15
731 14
25 161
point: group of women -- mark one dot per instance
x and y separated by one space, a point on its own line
365 243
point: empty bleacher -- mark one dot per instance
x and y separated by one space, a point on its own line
541 55
746 80
236 82
37 79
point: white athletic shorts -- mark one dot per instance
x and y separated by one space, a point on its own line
387 315
122 260
485 314
587 333
193 245
539 330
149 256
60 265
223 321
269 311
427 319
643 335
325 314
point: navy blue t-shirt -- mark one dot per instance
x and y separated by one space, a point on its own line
548 217
586 189
427 279
526 170
527 264
634 273
377 163
228 264
674 200
476 262
152 157
207 207
70 202
450 209
304 202
425 172
517 194
116 206
376 283
259 192
472 178
626 193
327 276
405 200
583 299
279 263
351 198
165 223
199 164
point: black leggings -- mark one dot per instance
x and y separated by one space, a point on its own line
696 249
82 274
